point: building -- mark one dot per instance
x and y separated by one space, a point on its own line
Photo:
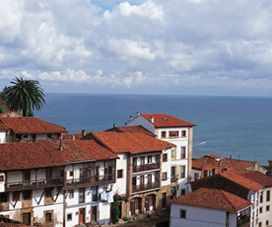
56 182
140 168
207 207
175 131
15 129
212 164
250 185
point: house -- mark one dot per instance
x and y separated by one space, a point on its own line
250 185
56 182
212 164
207 207
175 131
140 168
15 129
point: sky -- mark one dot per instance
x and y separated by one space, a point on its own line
187 47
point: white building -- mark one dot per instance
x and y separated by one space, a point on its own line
61 183
210 208
177 168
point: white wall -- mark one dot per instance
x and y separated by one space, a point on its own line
3 137
198 216
120 187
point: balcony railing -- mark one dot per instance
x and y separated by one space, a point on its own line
146 167
143 187
34 184
90 181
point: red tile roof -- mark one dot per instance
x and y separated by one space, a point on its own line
131 129
242 181
130 142
260 178
213 199
40 154
166 121
29 125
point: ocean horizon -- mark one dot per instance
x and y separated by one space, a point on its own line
239 127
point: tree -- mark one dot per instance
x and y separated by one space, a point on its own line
23 96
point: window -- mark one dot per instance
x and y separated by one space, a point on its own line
213 171
268 196
149 159
2 178
182 171
196 176
164 176
94 193
18 136
205 173
182 213
34 137
173 154
81 195
49 135
261 210
48 216
183 133
164 157
119 173
27 195
69 217
173 133
71 194
267 223
182 191
15 196
182 152
25 136
163 134
268 208
71 173
261 197
4 198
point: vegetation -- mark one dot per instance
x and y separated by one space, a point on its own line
23 96
115 210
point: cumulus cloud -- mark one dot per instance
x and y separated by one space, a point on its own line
181 46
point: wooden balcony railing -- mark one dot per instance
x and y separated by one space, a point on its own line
90 181
143 187
146 167
34 184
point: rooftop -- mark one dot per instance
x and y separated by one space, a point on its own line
132 142
29 125
260 178
213 199
166 121
131 129
40 154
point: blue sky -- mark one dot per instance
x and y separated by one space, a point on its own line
198 47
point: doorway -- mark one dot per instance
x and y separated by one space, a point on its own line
81 217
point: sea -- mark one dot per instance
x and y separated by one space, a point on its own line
240 127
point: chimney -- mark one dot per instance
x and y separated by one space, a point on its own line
61 145
152 119
73 137
83 132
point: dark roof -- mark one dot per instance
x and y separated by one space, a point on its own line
165 120
213 199
40 154
29 125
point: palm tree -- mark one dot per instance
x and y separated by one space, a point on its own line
23 96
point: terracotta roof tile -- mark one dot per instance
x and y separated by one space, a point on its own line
28 155
131 129
29 125
214 199
260 178
129 142
165 120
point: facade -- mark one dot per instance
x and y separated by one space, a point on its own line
56 183
177 168
210 208
16 129
212 164
140 167
250 185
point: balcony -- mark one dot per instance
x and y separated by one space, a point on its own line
146 167
89 181
144 187
34 184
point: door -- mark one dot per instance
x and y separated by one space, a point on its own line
94 213
27 218
81 217
164 200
